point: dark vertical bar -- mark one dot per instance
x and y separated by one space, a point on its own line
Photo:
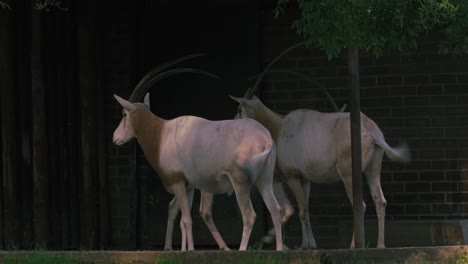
50 73
87 82
1 185
1 179
139 38
61 37
23 80
73 140
133 184
39 138
57 35
103 141
358 210
134 175
10 151
73 133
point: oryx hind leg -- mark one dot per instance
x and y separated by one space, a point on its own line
286 211
242 186
306 191
372 173
347 178
265 186
294 183
206 205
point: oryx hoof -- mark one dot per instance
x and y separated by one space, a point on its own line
267 239
226 248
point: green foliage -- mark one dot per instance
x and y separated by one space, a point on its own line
40 5
245 258
456 32
462 258
359 256
4 5
375 25
173 259
38 258
48 4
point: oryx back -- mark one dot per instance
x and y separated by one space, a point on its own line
316 143
216 149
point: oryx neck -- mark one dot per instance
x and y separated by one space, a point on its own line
269 119
148 130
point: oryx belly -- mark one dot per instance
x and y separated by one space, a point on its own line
216 184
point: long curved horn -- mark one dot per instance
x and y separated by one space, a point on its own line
254 88
138 94
250 89
134 95
307 78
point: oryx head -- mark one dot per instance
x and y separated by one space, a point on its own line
125 132
247 103
246 107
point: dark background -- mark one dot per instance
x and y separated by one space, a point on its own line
66 186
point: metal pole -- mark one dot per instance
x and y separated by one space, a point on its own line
358 210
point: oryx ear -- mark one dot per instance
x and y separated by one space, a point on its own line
240 100
124 103
146 100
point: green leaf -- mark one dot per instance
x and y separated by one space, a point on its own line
375 25
5 5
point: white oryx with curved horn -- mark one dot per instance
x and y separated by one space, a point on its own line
315 146
214 156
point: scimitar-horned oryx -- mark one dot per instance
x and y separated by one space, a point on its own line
315 146
214 156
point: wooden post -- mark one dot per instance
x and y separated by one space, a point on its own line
358 210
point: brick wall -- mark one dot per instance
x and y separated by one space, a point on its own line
422 100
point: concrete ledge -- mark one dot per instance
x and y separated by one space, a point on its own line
399 233
427 255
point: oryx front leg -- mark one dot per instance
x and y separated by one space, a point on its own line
172 212
184 200
308 240
206 205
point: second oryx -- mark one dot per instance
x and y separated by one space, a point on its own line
316 147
